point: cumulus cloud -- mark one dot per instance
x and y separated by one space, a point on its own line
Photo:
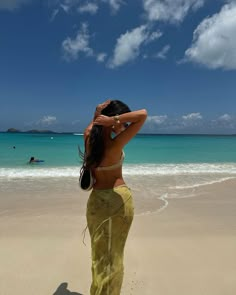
128 45
73 47
162 54
71 6
214 40
224 122
47 120
89 8
153 36
101 57
114 4
12 4
184 124
157 119
192 123
157 123
169 10
65 7
192 116
225 117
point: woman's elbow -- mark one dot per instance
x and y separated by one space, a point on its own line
144 113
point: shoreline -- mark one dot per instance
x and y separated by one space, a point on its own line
186 249
62 195
18 131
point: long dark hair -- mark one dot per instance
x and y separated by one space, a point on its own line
96 139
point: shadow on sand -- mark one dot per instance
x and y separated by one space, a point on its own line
62 290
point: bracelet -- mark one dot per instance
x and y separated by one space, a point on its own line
117 119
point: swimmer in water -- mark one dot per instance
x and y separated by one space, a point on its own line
33 160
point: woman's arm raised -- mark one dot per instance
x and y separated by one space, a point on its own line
97 113
135 118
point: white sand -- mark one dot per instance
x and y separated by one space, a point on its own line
187 249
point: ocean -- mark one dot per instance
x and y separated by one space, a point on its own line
145 154
159 166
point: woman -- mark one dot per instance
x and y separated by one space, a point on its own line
110 207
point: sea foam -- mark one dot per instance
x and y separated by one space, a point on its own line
129 169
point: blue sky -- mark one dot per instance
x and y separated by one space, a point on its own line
60 58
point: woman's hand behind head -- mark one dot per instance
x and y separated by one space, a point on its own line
104 121
102 106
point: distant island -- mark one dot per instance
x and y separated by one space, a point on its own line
14 130
45 131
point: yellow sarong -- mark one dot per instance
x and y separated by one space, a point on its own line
109 217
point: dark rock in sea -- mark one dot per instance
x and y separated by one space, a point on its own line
39 131
13 130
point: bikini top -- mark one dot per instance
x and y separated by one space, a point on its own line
114 166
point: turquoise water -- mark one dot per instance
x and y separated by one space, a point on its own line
182 149
145 154
62 149
55 149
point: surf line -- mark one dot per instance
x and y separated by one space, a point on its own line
163 198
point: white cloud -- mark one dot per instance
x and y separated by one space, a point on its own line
89 8
172 11
114 4
185 124
225 117
192 116
128 45
214 40
153 36
225 122
157 119
101 57
12 4
69 5
73 47
192 120
54 14
65 7
162 54
192 123
157 123
47 120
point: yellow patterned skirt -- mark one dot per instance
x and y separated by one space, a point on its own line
109 217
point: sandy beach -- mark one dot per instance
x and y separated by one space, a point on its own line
186 247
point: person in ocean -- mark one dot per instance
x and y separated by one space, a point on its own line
33 160
110 206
